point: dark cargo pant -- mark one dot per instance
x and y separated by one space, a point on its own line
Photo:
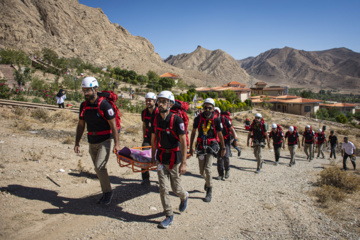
224 161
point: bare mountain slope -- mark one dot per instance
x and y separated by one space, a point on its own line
75 30
218 64
337 68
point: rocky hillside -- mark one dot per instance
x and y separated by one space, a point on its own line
75 30
337 68
218 64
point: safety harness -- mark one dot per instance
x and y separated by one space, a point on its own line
169 130
320 137
279 133
288 134
156 111
111 97
203 142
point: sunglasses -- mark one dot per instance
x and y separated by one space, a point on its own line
257 118
207 108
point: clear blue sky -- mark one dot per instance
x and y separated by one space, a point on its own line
240 28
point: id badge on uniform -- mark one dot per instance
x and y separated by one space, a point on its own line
160 167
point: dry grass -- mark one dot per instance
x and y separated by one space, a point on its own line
35 156
335 185
21 125
69 140
41 114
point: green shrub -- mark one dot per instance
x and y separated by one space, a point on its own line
36 100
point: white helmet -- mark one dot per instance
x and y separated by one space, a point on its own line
216 109
307 127
320 130
168 95
258 115
274 125
291 129
210 100
89 82
150 95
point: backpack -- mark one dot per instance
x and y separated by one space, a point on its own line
263 126
294 133
180 109
111 97
279 132
227 115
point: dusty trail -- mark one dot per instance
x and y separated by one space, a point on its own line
274 204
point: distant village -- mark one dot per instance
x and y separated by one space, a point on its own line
279 99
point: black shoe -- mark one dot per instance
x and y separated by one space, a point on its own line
257 170
239 153
205 187
145 182
217 178
208 195
276 163
107 198
227 174
101 199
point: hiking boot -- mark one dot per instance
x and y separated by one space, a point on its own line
307 158
239 153
223 178
101 199
227 174
183 203
257 170
107 198
208 195
290 164
220 177
205 187
145 182
166 222
230 154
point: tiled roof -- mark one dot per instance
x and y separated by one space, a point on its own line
169 74
338 105
300 100
235 83
260 83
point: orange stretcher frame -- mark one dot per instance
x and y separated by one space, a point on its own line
136 166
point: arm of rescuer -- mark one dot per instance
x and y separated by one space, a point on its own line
235 136
248 138
284 141
182 168
221 137
193 132
153 147
144 129
79 132
115 134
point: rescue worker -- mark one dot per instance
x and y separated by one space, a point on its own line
320 141
101 133
209 127
258 132
309 138
292 137
277 136
168 138
224 161
146 115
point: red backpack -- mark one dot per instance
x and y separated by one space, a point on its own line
180 109
227 115
262 126
111 97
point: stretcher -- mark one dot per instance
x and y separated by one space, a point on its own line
135 165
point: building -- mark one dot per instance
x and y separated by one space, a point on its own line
342 107
289 104
261 89
239 89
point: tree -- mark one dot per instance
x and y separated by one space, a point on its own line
22 77
322 113
230 95
49 56
8 56
167 83
341 118
152 76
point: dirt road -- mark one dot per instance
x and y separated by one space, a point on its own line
44 196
